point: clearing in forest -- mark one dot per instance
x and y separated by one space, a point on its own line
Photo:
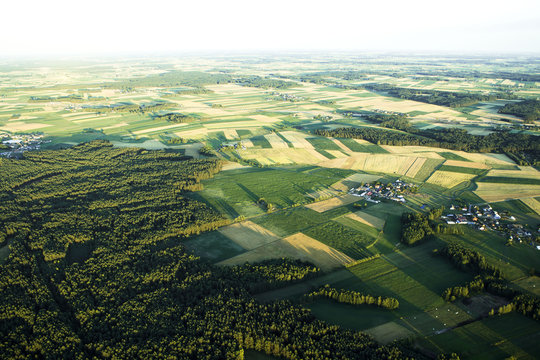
248 235
297 246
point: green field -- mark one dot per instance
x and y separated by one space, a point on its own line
498 337
428 168
342 238
462 169
356 147
236 192
509 180
225 108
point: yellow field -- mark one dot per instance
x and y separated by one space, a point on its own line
488 159
297 246
15 126
532 203
466 164
230 134
492 192
367 219
192 134
115 126
384 163
265 119
231 165
525 172
448 179
248 235
336 153
333 203
159 128
276 141
479 160
233 125
415 167
283 156
297 139
353 180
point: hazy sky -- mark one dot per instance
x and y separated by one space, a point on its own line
48 27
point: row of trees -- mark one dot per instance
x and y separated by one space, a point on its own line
353 297
67 98
132 108
475 286
176 117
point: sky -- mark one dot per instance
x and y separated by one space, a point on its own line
61 27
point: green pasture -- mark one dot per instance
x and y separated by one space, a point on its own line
236 192
498 337
364 148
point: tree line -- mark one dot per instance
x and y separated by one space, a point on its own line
353 297
131 107
176 117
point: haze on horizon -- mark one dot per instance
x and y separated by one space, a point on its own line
61 27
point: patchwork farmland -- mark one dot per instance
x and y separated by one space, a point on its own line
292 137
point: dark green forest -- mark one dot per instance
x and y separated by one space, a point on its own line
171 79
529 110
97 270
265 83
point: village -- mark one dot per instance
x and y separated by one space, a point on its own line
232 146
392 191
286 97
484 217
15 145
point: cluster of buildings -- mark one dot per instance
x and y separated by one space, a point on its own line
391 191
17 144
387 112
486 218
287 97
231 146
